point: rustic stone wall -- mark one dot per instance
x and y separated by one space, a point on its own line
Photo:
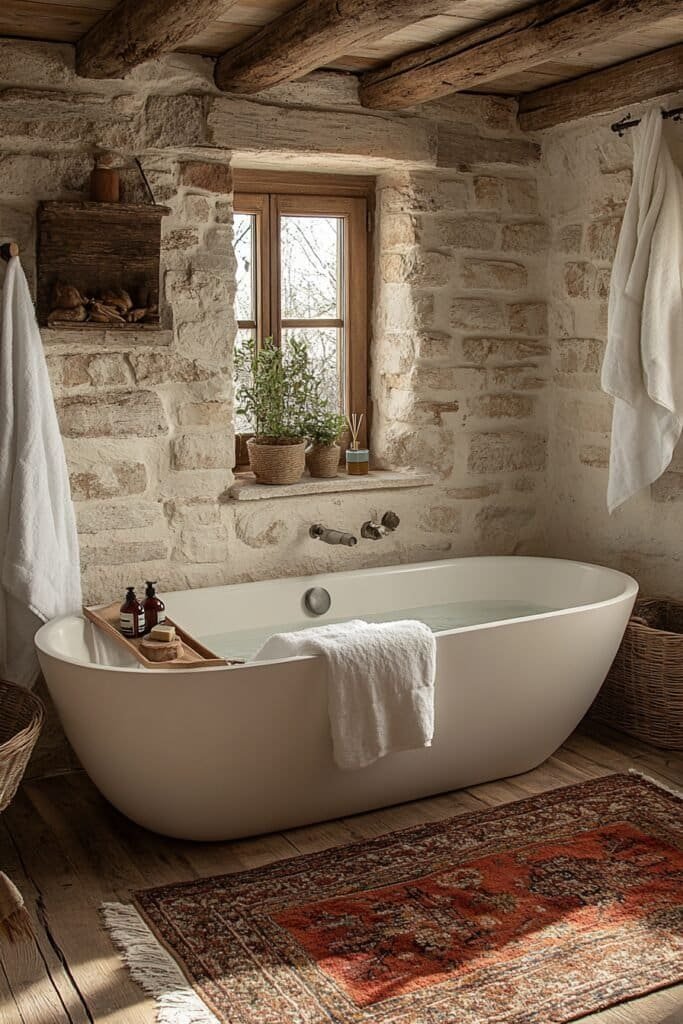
585 183
459 355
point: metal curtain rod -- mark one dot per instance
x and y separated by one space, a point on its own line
8 250
628 122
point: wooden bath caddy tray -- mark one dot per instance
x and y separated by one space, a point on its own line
195 654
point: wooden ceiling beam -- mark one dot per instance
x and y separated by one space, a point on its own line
547 31
600 92
139 30
311 36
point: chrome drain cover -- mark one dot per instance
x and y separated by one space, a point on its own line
317 600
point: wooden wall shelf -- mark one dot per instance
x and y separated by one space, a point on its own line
96 246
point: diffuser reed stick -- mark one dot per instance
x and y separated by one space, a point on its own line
355 422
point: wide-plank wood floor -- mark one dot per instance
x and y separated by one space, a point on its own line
69 851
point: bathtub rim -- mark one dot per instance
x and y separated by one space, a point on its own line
631 587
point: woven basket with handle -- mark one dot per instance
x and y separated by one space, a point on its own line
643 693
21 719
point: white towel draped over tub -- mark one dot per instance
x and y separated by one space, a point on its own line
643 366
39 563
380 684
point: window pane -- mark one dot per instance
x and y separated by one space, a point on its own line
310 250
325 349
244 242
242 424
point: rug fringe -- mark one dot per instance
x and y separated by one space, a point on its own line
153 968
655 782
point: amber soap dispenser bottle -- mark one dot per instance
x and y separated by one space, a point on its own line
155 609
132 616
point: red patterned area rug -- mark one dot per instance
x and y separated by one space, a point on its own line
536 912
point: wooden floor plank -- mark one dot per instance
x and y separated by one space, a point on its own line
71 851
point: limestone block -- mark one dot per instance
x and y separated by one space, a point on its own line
579 280
205 414
175 121
502 406
262 529
531 238
504 350
463 148
96 517
494 521
209 177
160 367
202 451
418 268
117 479
594 455
580 355
497 275
106 551
476 492
477 314
569 239
469 233
36 64
180 239
602 237
218 240
506 451
397 231
529 318
112 414
668 488
441 519
196 209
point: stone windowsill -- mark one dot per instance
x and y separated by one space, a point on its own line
245 487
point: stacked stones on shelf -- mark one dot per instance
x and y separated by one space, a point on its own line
111 306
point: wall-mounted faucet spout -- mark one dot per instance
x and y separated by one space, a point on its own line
320 532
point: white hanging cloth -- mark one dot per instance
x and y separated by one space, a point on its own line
643 365
39 559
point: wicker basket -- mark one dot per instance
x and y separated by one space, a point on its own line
21 719
322 460
277 463
643 693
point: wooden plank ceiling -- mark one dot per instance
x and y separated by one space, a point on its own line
224 26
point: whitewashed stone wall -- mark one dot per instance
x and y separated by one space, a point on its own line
459 355
585 183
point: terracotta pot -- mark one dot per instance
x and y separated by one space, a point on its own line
322 460
277 463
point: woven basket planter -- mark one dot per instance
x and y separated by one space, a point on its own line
21 719
322 460
643 693
277 463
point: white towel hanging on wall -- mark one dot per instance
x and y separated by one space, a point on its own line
643 365
39 560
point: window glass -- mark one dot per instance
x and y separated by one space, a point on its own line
310 267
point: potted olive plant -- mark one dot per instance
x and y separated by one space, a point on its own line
323 429
275 389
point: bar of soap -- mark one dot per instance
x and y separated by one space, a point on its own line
163 633
155 650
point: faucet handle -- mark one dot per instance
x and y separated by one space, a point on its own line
390 521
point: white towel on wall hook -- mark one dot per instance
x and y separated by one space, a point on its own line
643 365
39 560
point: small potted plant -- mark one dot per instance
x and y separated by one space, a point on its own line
275 388
323 428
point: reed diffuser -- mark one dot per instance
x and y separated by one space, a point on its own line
357 458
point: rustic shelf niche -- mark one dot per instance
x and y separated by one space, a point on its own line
97 246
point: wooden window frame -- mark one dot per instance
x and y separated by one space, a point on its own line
270 196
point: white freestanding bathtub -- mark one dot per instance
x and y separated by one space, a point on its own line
218 753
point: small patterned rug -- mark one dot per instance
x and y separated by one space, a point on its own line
536 912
